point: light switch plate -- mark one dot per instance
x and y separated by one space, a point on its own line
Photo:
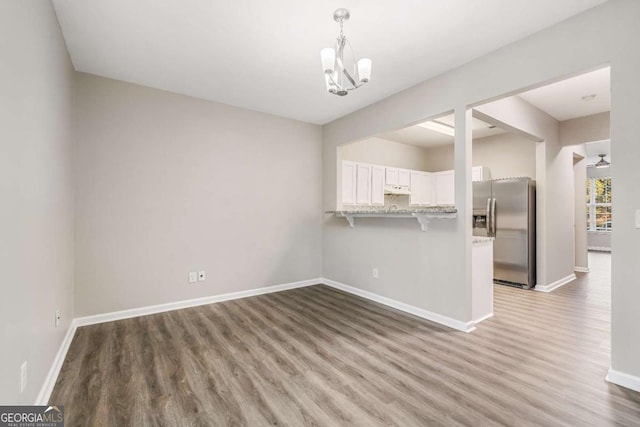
637 218
193 277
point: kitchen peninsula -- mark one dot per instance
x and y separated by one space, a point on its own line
421 214
367 190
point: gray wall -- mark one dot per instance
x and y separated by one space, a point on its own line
595 127
604 35
581 258
168 184
440 158
554 186
585 129
379 151
506 155
36 189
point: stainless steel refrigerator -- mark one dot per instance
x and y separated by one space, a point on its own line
506 210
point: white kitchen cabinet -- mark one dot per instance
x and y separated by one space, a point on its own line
404 177
421 189
480 173
349 183
377 185
391 176
445 188
481 279
396 176
363 184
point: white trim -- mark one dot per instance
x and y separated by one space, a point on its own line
599 248
50 380
581 269
52 376
483 318
555 285
625 380
425 314
160 308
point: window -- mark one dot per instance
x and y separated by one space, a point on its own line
599 204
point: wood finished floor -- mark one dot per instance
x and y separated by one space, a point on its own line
318 356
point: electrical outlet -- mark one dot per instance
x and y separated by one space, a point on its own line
376 273
193 277
57 319
201 276
23 376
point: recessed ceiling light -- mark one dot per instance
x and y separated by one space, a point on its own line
438 127
590 97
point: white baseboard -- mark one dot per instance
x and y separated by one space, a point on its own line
555 285
483 318
50 380
52 376
161 308
625 380
581 269
425 314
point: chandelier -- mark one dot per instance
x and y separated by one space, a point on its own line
338 78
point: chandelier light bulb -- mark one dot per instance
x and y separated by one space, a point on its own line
364 70
331 88
328 57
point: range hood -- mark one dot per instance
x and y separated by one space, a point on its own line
402 190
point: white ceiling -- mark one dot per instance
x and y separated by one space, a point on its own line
593 149
264 55
418 136
563 100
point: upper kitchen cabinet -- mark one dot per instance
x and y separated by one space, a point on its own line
349 171
377 185
480 173
445 188
362 184
391 176
404 178
445 183
398 177
422 189
397 181
366 184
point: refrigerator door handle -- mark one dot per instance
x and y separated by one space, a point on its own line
489 217
493 217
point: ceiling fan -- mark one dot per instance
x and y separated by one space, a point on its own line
602 163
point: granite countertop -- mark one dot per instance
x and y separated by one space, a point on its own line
386 211
480 239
